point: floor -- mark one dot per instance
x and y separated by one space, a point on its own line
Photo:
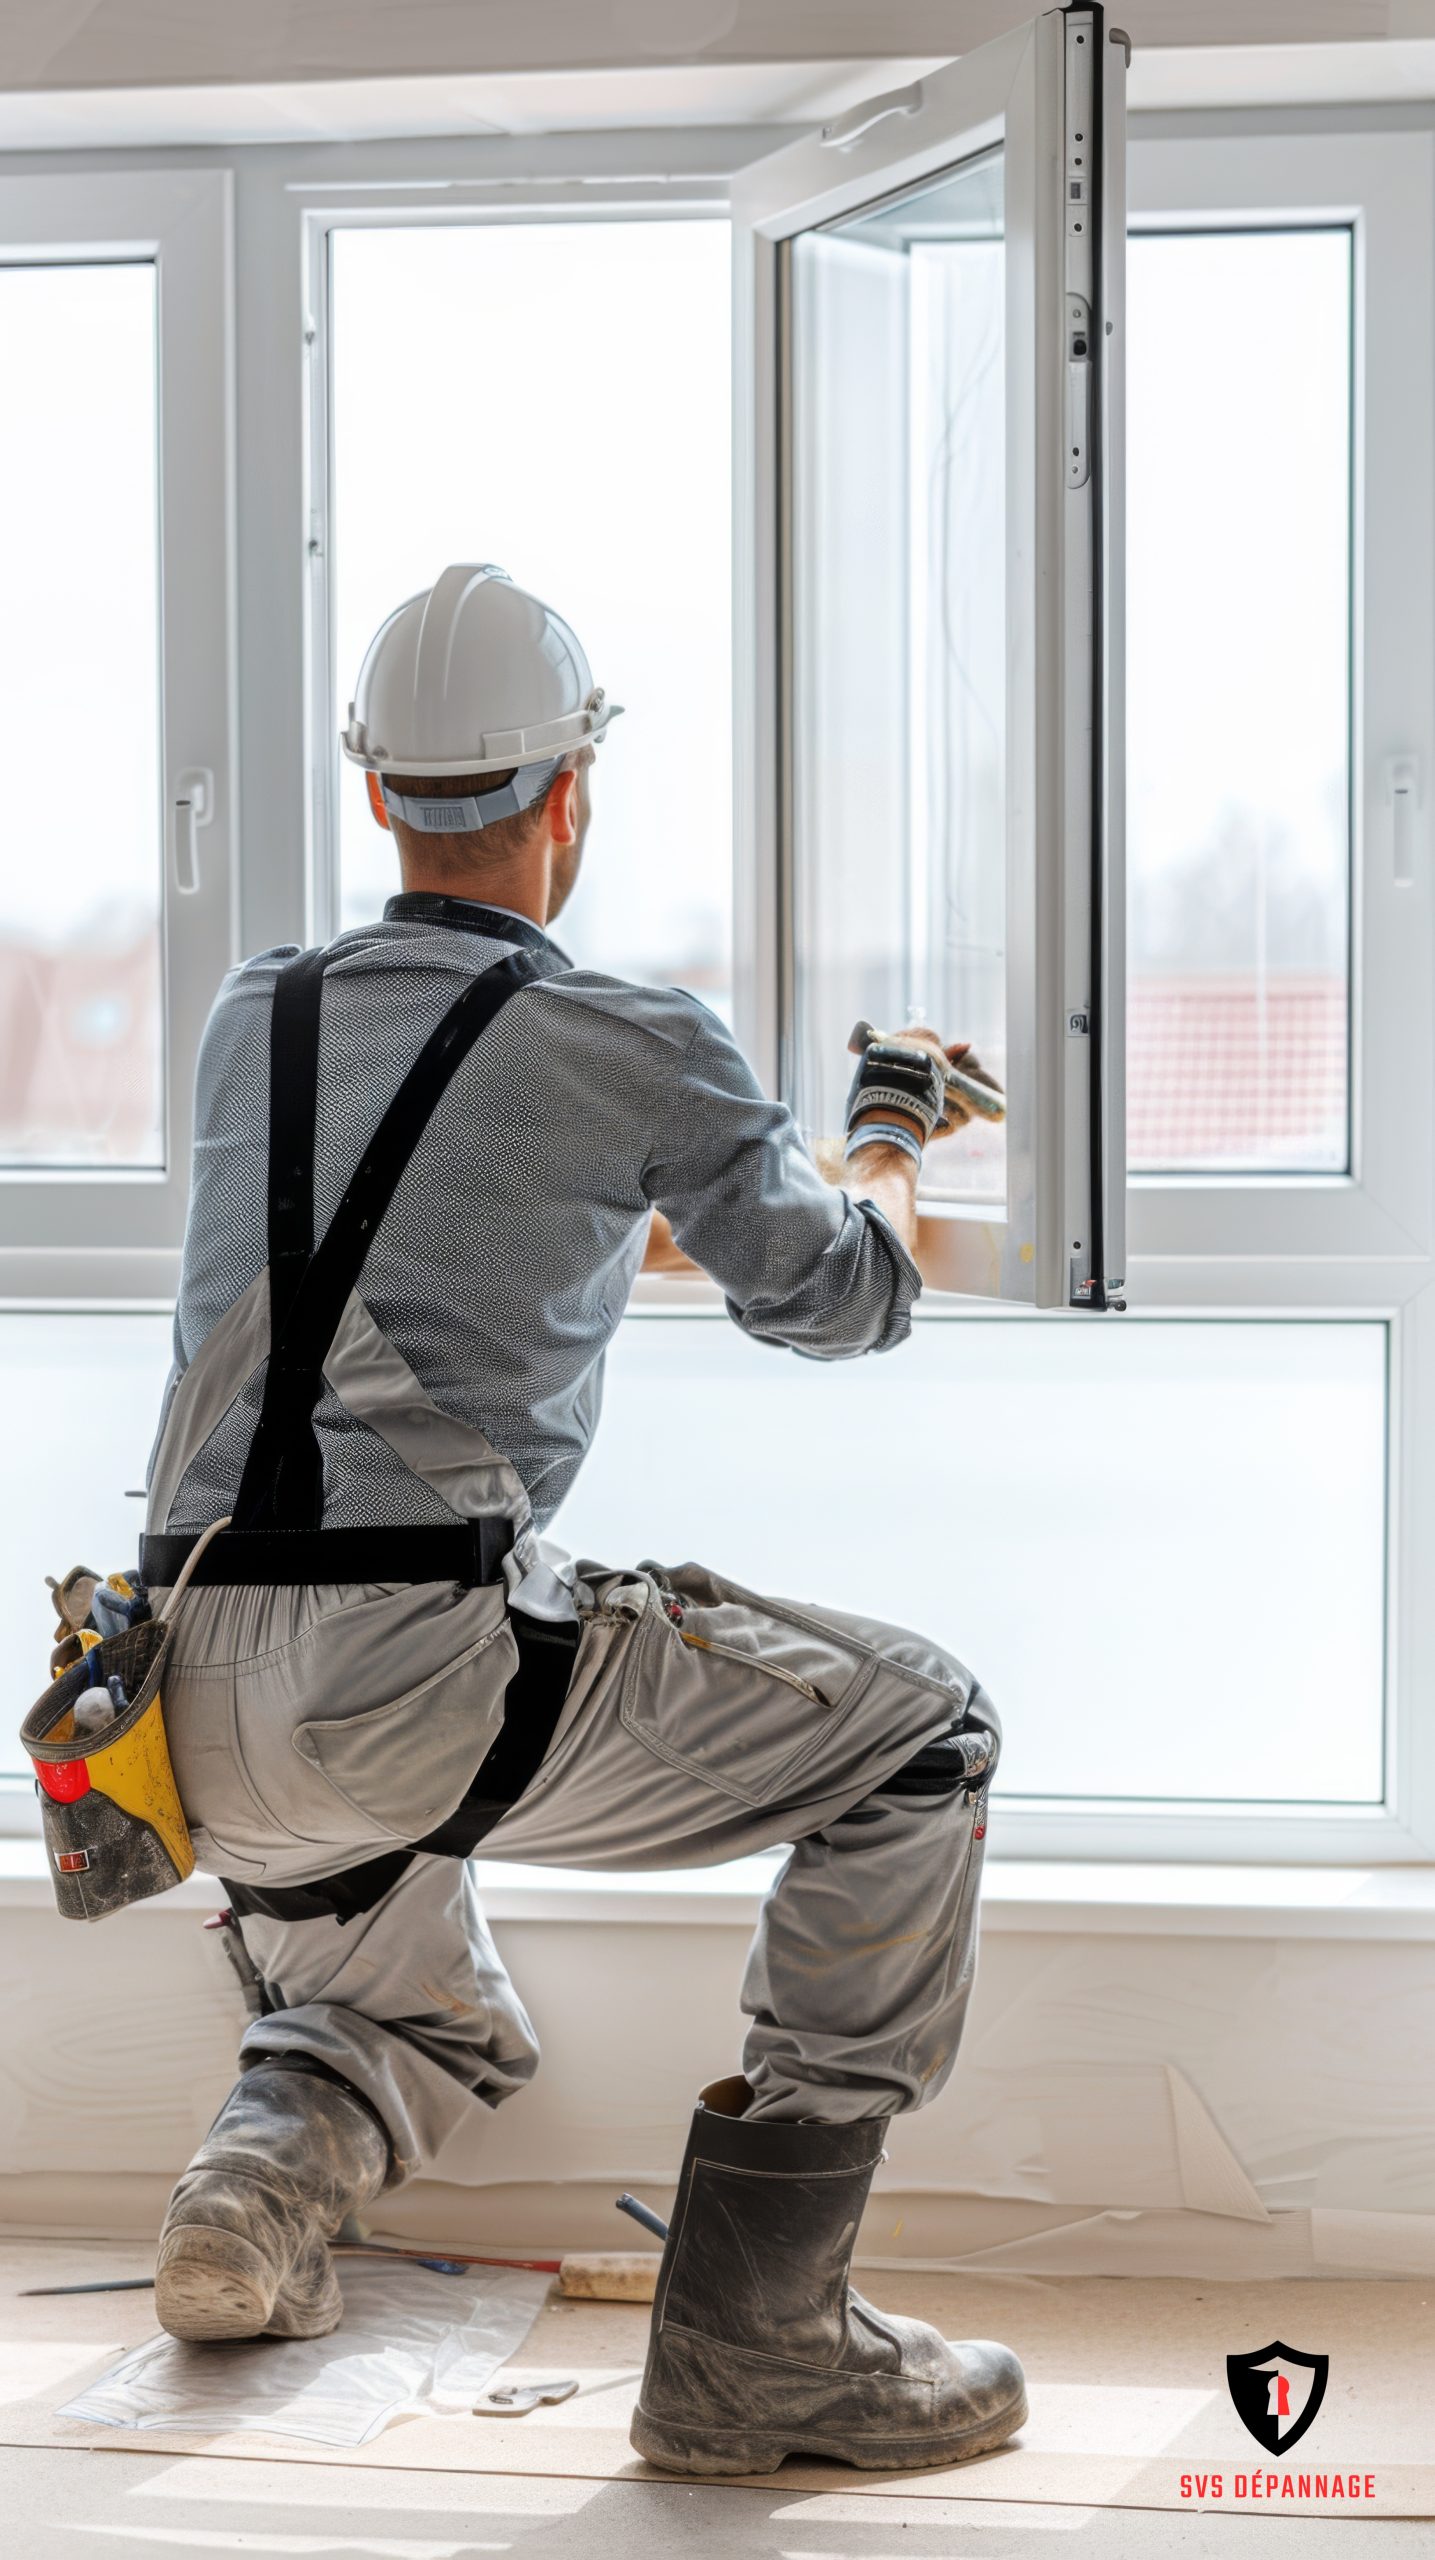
63 2505
1128 2400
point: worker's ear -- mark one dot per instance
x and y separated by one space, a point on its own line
563 809
376 800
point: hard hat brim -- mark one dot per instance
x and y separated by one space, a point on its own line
538 746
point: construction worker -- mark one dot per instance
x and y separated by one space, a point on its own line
429 1160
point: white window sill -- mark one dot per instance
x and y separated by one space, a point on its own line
1022 1896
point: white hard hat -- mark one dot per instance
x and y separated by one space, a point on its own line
475 676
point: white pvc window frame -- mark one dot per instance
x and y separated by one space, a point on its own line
1361 1244
1189 1257
290 204
1021 93
69 1231
1369 1232
293 897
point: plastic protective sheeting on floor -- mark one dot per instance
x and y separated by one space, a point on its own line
411 2342
1129 2400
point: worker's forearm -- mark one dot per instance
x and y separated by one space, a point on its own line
886 1176
881 1173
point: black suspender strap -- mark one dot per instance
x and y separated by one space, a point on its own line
293 1104
282 1487
293 1110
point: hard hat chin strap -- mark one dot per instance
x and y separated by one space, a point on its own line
467 816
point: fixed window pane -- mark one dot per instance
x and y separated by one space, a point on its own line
899 644
1239 693
70 1382
555 397
1160 1544
81 1025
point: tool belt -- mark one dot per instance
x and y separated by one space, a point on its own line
109 1806
114 1827
113 1822
469 1554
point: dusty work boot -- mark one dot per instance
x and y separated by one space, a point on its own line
759 2347
244 2252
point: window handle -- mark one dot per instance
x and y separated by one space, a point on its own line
1403 795
845 130
193 809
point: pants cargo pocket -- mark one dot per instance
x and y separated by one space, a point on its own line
741 1692
400 1768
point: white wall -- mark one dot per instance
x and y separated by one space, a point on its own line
1128 2100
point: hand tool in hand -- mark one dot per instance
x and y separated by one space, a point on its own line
984 1099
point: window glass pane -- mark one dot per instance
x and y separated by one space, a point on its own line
1164 1554
81 1037
899 615
1238 635
1159 1544
69 1382
555 397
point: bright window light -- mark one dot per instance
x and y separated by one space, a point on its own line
83 1394
1160 1544
81 1055
555 397
1238 652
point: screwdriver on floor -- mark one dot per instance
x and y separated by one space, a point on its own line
443 2266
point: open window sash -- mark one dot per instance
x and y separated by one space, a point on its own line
930 364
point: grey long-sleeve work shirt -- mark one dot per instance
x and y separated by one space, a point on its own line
507 1255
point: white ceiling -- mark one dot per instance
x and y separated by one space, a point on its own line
631 99
625 100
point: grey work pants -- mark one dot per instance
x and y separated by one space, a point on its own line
746 1723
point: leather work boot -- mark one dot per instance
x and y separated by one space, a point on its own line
244 2252
759 2347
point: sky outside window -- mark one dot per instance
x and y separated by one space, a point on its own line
555 397
1238 699
81 1029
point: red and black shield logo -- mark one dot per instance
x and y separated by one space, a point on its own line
1277 2392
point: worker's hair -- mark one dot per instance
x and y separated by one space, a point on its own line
483 847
